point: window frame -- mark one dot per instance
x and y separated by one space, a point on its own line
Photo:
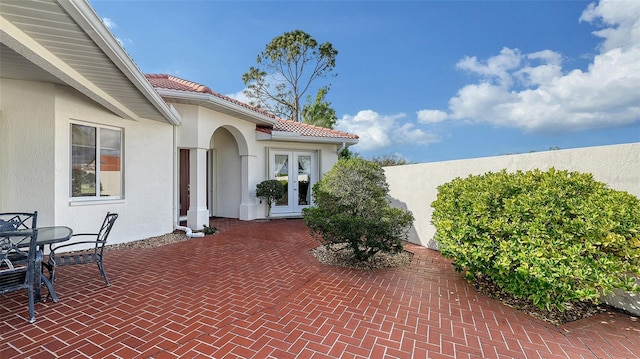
98 147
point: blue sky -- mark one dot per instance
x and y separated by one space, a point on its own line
426 80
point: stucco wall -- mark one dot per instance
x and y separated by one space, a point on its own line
227 173
147 207
35 162
207 129
27 148
414 187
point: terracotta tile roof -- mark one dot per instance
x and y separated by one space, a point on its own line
309 130
174 83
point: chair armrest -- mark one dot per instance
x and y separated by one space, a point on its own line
54 246
84 234
53 249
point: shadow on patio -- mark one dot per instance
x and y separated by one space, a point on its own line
254 290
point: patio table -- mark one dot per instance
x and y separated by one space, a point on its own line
46 235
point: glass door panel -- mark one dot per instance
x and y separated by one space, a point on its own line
304 180
281 170
297 171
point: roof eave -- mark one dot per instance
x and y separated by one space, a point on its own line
295 137
88 20
218 104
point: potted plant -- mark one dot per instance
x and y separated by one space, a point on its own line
271 191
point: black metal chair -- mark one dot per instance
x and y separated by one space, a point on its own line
17 221
17 266
94 255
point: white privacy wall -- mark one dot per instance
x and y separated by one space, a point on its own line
414 187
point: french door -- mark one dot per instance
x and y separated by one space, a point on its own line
297 171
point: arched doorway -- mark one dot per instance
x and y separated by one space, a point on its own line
225 184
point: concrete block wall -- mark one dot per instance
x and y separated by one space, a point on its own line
414 187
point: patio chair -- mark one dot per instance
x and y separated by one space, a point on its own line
16 221
87 256
18 275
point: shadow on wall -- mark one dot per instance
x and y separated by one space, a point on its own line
413 234
625 300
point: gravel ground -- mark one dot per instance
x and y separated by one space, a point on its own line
342 258
176 236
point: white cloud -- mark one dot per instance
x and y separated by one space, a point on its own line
530 91
378 131
432 116
110 24
240 96
621 20
497 67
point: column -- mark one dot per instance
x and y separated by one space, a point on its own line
248 203
198 213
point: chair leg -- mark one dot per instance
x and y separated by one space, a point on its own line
103 272
32 310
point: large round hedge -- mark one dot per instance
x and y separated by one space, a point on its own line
352 209
552 237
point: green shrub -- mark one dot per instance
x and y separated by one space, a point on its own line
352 209
552 237
209 230
271 191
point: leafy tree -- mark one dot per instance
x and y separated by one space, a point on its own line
352 210
319 113
286 69
390 160
346 154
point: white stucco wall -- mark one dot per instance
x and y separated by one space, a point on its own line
147 207
204 128
227 171
35 162
27 148
414 187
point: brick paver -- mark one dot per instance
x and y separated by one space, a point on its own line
254 291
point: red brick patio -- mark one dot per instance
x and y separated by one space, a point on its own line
254 291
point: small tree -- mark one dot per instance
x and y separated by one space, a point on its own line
285 70
271 191
352 210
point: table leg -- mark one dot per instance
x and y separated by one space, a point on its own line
40 278
52 291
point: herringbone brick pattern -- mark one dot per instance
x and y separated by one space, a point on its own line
254 291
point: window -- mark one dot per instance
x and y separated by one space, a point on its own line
91 178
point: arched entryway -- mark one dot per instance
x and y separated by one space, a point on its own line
214 179
225 184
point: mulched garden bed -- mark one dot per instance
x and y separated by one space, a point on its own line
573 311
